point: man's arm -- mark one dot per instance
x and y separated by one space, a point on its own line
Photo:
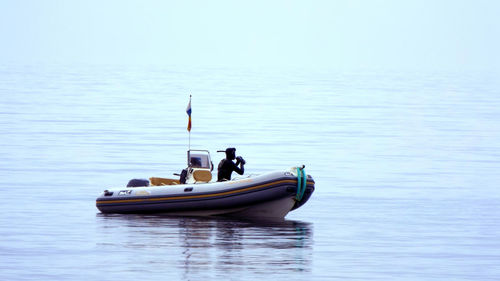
238 170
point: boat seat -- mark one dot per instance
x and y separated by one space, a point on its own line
202 175
163 181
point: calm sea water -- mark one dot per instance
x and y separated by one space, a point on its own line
406 168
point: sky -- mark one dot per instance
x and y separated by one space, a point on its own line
342 34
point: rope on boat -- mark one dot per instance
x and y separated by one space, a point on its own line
301 183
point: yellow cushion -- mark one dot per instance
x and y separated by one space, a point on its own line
163 181
202 175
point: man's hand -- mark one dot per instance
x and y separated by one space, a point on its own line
240 159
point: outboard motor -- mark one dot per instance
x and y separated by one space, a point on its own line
138 183
183 176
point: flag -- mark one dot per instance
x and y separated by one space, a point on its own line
188 111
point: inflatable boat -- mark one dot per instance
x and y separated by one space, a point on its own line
269 195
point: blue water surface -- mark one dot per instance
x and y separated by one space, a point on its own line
405 163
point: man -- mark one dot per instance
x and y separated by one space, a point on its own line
227 166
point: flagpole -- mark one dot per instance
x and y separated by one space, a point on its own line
188 111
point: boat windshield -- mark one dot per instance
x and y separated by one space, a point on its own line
200 160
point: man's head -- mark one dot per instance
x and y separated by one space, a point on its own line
231 153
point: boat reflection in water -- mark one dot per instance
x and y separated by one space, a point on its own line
197 247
